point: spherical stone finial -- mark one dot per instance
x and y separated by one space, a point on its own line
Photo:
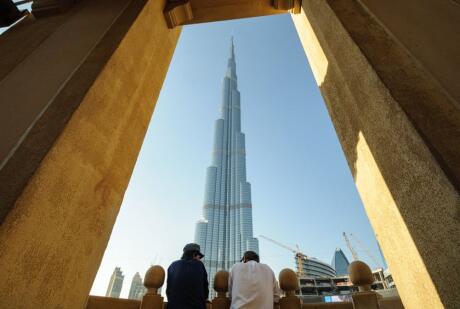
221 281
360 274
154 278
288 280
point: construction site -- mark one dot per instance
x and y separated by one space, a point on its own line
323 282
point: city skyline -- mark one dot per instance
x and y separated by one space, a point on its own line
300 178
226 231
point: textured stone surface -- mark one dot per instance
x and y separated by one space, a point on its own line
98 302
429 30
38 81
217 10
433 111
53 239
411 203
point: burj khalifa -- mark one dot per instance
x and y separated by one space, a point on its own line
225 232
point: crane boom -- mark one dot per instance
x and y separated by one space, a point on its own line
360 244
299 256
279 244
353 252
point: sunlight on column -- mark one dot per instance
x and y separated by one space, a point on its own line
310 43
391 230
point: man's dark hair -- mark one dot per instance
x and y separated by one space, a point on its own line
189 255
251 256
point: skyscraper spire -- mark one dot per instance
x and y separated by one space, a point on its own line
225 232
232 48
231 64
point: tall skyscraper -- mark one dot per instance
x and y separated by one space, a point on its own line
225 232
115 284
340 262
137 289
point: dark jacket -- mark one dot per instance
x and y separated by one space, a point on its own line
187 285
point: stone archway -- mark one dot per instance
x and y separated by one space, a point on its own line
83 86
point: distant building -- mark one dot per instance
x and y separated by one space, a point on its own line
340 262
137 289
115 284
314 268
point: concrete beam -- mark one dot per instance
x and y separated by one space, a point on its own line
202 11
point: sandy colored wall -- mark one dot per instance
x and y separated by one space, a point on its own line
98 302
54 238
411 203
429 29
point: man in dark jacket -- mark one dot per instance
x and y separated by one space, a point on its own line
187 284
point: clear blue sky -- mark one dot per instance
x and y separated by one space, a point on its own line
302 190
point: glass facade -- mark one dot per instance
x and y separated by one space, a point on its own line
314 268
225 232
340 262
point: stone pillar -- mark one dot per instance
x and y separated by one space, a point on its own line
221 287
399 129
289 283
82 89
153 281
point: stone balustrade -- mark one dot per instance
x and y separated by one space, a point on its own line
221 287
360 276
153 281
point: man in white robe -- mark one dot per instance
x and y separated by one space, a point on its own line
252 285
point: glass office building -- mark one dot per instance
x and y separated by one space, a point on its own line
340 262
225 232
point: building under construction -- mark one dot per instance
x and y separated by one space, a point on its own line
306 266
312 267
319 280
320 289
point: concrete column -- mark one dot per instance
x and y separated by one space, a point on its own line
399 126
84 86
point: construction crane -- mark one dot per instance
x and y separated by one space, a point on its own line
360 244
299 256
352 250
376 263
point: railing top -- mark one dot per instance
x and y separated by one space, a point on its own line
154 278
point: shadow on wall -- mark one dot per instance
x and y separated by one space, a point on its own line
40 122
